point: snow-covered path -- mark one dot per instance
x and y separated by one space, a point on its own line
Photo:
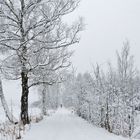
65 126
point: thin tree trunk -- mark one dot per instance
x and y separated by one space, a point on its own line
107 125
102 118
24 99
8 114
44 110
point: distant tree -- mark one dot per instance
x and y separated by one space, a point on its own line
126 78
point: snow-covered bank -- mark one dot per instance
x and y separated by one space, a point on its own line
63 125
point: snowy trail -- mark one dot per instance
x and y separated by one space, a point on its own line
65 126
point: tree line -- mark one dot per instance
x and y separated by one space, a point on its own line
107 98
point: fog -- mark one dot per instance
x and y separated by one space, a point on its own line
109 23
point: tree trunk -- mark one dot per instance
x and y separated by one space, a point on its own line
107 122
102 118
44 110
24 99
8 114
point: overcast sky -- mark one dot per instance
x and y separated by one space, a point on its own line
108 24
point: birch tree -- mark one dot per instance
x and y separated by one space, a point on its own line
31 29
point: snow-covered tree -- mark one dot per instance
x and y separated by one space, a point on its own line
35 37
109 99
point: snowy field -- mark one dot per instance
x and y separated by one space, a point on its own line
64 125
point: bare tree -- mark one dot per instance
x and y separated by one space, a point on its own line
126 77
29 30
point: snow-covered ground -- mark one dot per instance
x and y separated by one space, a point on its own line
12 93
64 125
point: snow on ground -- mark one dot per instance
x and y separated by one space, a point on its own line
64 125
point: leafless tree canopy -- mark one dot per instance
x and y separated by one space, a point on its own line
35 39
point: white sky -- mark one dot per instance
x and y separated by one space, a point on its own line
108 24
